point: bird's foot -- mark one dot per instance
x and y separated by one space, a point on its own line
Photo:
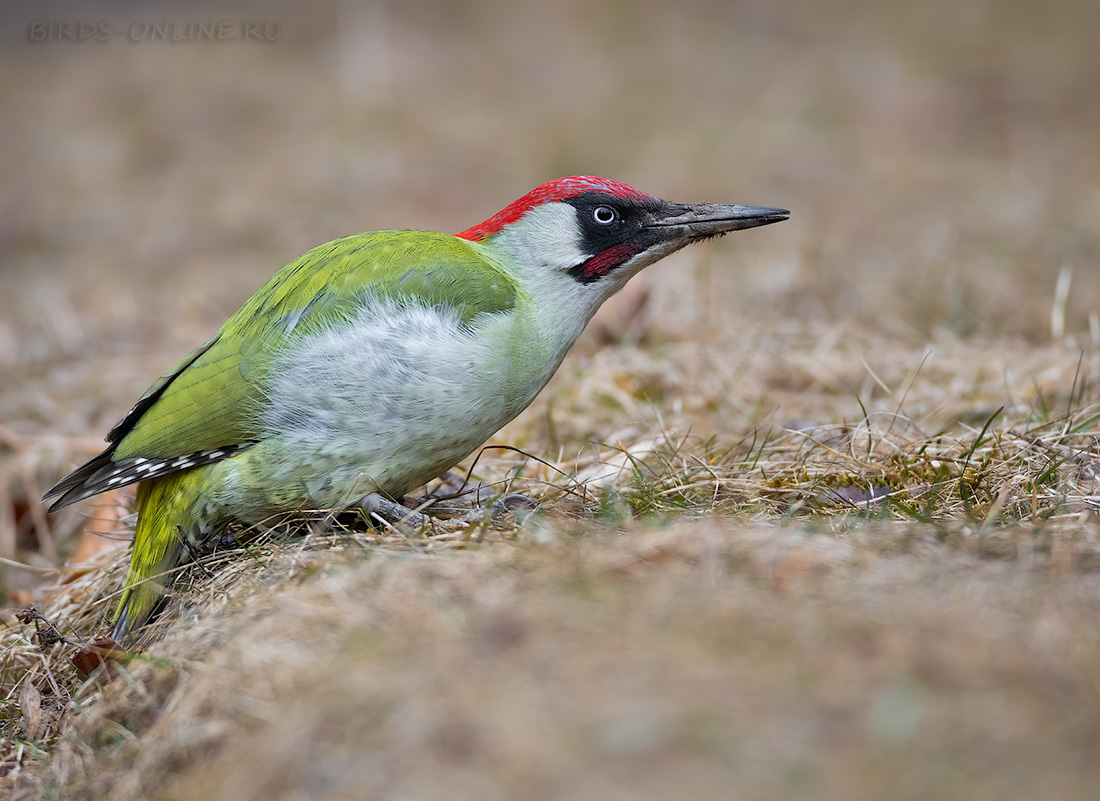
504 512
379 509
507 511
512 510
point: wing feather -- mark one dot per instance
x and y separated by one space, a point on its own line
207 407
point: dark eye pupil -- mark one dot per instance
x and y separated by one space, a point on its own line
604 215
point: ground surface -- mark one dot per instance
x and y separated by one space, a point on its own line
819 509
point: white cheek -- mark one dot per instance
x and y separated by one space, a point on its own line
547 236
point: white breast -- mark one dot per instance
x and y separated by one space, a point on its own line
393 397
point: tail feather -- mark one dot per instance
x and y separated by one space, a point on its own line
164 505
74 487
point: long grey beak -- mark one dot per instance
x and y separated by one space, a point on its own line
713 219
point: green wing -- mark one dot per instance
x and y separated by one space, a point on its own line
210 401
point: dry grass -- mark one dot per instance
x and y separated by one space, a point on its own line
709 659
819 501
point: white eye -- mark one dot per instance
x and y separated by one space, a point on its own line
604 215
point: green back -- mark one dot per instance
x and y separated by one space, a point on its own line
211 399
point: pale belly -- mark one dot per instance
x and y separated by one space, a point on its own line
381 407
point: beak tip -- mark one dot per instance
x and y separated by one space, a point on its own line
700 220
755 216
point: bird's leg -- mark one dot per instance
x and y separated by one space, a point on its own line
377 507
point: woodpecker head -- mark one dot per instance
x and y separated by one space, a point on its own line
596 233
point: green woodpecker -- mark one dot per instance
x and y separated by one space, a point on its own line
372 364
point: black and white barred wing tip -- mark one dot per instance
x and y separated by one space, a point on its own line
140 468
102 474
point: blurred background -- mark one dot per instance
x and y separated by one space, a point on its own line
941 161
